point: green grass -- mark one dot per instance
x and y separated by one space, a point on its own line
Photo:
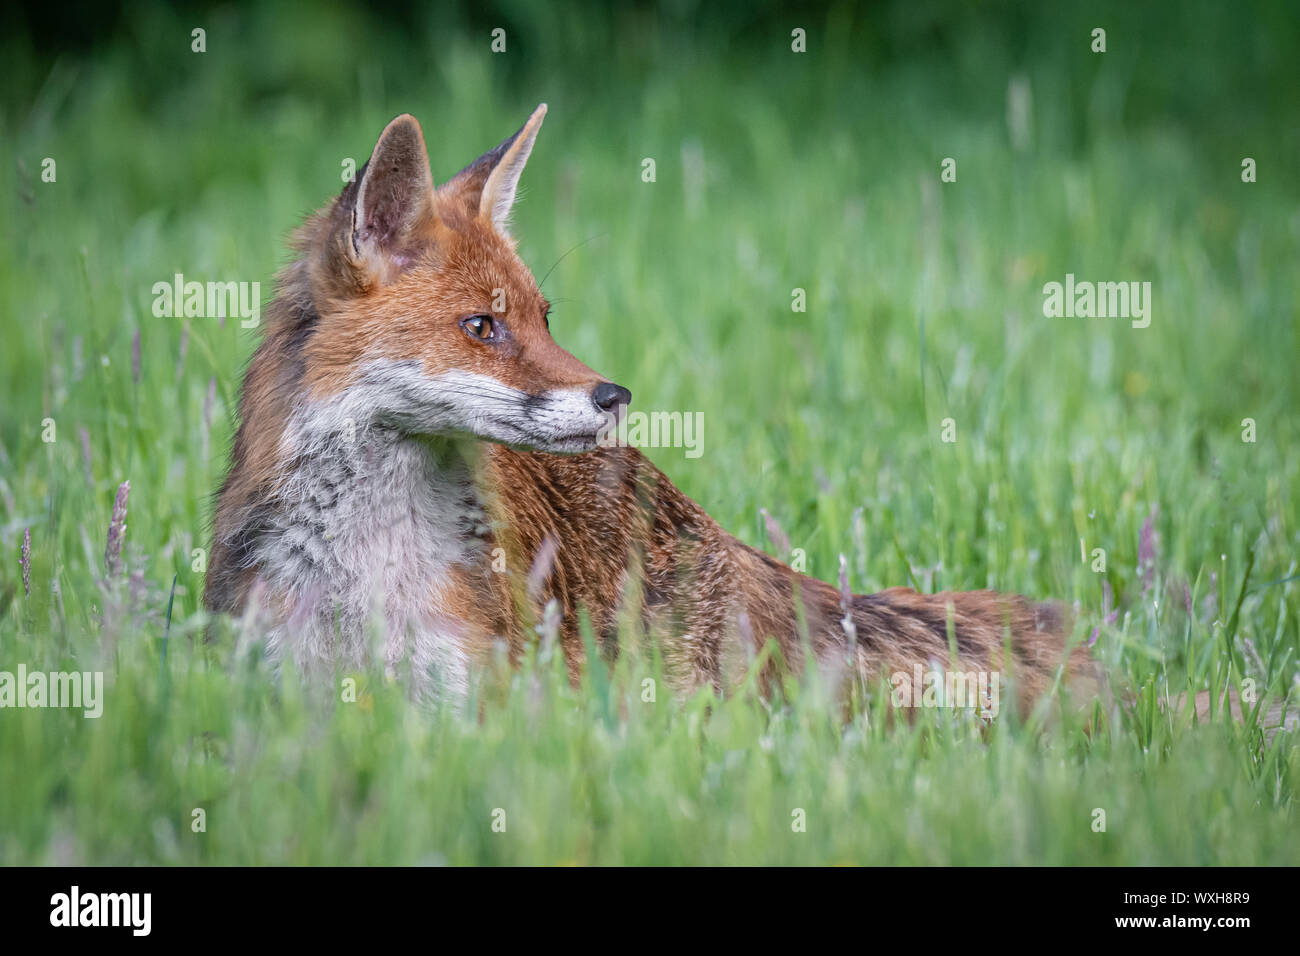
774 172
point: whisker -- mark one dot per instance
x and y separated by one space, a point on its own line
563 257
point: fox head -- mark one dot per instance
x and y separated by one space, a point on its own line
426 319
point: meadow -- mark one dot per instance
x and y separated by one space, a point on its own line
921 416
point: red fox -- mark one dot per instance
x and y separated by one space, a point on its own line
416 451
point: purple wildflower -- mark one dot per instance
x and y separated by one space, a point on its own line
26 562
117 531
1109 615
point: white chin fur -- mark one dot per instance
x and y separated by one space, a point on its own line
400 395
563 420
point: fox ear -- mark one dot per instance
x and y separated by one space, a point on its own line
488 184
394 194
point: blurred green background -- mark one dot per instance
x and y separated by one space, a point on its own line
775 171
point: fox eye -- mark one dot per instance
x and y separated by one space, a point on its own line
479 326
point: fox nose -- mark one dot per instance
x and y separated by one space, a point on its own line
608 396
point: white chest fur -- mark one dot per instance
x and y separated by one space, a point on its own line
365 536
